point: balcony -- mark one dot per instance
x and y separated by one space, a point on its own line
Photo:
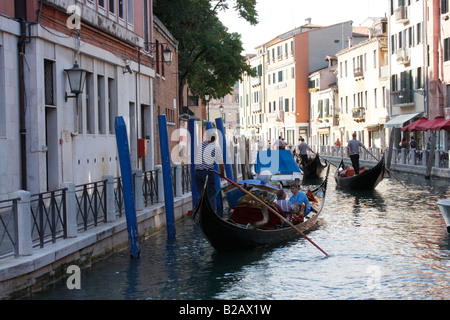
359 114
401 15
358 73
280 116
403 56
403 98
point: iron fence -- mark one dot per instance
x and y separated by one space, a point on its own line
8 227
186 178
91 204
118 197
49 217
150 187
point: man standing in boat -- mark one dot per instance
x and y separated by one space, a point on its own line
303 150
353 152
207 155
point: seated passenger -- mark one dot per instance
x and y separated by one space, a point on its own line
299 198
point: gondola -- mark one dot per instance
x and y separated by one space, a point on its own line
226 235
367 179
313 169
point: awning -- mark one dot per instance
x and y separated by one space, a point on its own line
442 125
413 126
398 121
431 124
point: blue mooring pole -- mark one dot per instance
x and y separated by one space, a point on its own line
167 175
227 163
219 202
193 153
127 184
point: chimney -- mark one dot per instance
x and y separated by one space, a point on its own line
350 42
308 20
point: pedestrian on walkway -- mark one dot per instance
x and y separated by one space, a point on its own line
353 152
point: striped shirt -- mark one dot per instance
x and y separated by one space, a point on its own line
207 154
285 205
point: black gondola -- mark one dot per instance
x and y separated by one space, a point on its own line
366 180
226 235
313 169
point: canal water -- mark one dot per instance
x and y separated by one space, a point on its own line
388 244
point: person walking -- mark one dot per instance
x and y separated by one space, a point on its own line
353 152
208 154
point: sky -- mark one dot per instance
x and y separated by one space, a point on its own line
279 16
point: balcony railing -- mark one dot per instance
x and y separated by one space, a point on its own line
403 98
359 114
401 14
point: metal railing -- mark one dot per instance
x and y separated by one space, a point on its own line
64 212
8 227
91 204
49 217
118 197
150 187
186 185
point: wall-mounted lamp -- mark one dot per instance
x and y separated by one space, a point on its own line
127 68
77 77
167 53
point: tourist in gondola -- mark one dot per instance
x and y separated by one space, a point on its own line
207 155
353 152
299 198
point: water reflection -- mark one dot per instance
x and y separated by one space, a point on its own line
387 244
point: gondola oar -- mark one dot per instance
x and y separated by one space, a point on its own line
273 211
386 168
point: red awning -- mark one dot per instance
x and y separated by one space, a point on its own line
444 125
413 126
431 124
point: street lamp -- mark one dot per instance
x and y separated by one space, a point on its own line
207 105
76 76
222 114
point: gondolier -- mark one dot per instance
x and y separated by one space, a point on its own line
207 155
353 152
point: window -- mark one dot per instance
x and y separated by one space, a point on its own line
101 104
375 100
89 102
112 7
49 83
286 105
419 83
444 6
394 84
146 27
446 49
122 9
130 12
101 3
419 33
112 104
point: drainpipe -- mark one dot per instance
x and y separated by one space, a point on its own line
22 130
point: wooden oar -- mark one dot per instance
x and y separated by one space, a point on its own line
273 211
387 169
